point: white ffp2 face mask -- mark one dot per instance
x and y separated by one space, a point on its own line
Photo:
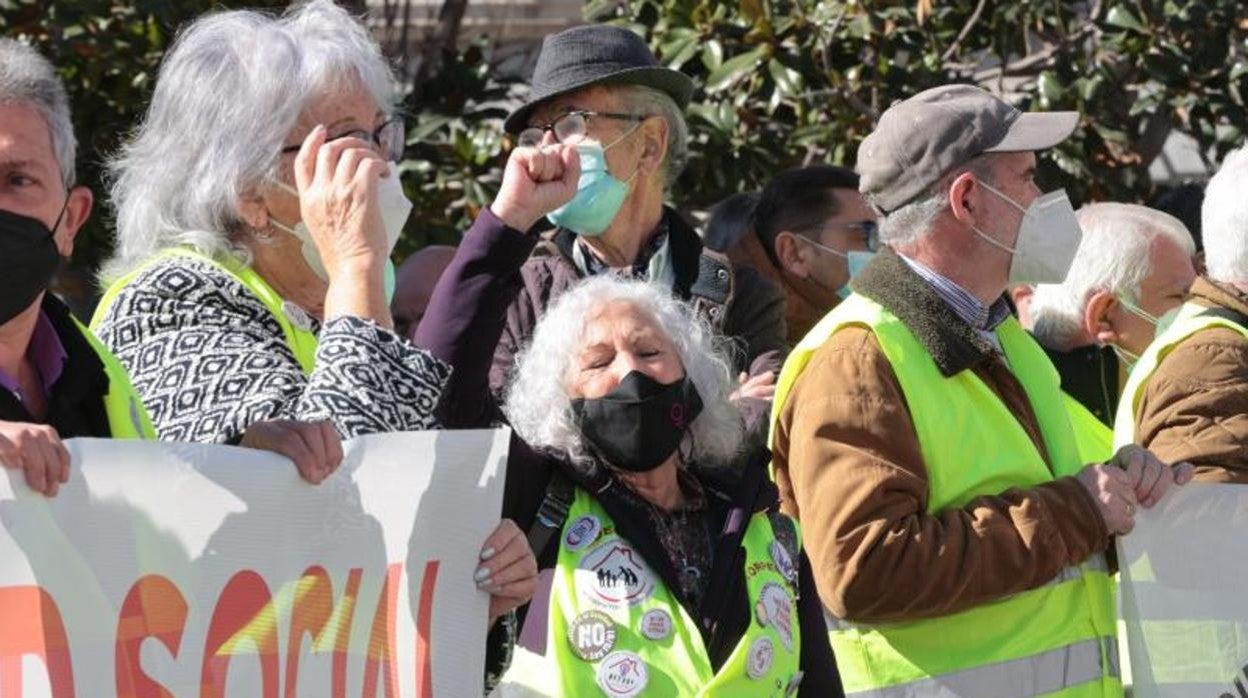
1047 241
395 208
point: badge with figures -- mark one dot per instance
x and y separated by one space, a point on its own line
582 532
613 574
592 635
622 675
759 660
775 608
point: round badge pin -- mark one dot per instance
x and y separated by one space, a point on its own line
622 675
582 532
759 660
784 561
775 608
656 624
592 635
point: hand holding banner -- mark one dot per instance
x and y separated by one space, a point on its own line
183 569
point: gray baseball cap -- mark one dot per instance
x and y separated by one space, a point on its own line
918 140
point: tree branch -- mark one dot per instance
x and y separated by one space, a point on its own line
966 29
1028 64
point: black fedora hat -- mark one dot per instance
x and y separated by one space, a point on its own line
596 54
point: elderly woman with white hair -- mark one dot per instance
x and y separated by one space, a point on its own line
668 569
257 205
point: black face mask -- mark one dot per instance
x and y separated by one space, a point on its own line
28 259
640 424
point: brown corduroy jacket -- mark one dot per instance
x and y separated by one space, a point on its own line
849 466
1195 406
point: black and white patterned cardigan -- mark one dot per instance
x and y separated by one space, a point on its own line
209 359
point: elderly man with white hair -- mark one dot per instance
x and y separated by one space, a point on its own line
1133 269
1186 397
600 89
955 532
56 380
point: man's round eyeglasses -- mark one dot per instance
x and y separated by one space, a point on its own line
388 137
571 127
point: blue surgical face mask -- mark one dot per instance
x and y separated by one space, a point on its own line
599 195
389 280
855 260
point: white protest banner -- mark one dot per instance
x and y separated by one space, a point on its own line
1184 594
190 570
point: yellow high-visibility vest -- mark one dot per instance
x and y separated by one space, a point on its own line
614 629
301 340
127 418
1054 640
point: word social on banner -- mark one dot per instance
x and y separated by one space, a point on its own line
187 570
1183 595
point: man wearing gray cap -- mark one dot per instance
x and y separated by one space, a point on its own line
919 433
599 88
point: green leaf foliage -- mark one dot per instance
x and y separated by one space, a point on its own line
779 83
790 82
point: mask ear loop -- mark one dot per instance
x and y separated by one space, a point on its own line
266 236
686 449
988 238
626 134
60 216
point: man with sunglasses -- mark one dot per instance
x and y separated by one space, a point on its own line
813 233
600 89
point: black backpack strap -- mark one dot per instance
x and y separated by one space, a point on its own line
552 513
1225 314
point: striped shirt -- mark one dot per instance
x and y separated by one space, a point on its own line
984 319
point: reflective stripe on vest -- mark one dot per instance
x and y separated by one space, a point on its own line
1188 322
972 445
294 322
599 577
127 418
1048 672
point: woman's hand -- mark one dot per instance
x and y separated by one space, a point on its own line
536 182
313 446
37 451
508 569
337 183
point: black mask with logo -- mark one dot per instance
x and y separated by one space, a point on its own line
640 423
28 259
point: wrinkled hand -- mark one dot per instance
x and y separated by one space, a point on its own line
508 569
337 183
1114 493
762 386
1150 477
313 446
536 182
37 451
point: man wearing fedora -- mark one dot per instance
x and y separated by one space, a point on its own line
600 88
957 538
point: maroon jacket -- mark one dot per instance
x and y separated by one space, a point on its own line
739 302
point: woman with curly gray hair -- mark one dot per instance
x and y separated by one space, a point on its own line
668 568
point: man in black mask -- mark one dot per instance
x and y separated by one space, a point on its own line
55 381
